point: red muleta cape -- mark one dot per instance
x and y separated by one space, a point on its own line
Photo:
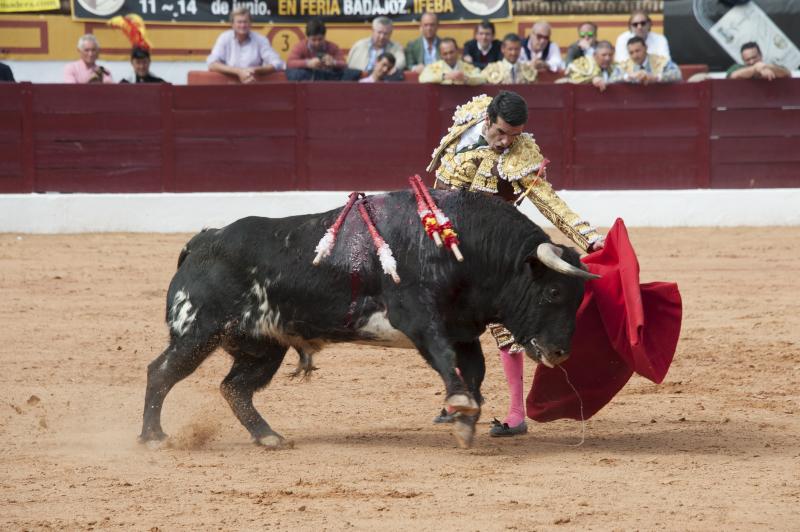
621 327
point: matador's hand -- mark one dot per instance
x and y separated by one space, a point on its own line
598 244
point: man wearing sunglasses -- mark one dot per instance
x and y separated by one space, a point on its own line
540 50
584 46
639 25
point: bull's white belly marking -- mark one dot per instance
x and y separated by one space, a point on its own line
379 331
267 318
182 314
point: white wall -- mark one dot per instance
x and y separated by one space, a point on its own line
53 71
77 213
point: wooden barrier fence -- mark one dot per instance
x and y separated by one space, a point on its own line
342 136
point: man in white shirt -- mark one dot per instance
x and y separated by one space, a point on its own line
540 50
243 53
639 25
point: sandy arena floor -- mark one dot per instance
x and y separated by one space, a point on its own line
713 448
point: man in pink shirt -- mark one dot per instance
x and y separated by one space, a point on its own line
86 69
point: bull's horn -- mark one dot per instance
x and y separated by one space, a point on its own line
550 256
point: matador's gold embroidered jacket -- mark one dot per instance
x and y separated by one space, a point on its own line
502 72
482 169
585 69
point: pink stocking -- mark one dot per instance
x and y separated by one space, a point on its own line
513 366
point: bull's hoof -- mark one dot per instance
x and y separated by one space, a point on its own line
155 445
153 440
274 442
463 404
464 430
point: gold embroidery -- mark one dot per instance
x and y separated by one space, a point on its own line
504 338
479 169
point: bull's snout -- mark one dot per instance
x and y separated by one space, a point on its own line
550 357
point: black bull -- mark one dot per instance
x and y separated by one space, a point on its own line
251 289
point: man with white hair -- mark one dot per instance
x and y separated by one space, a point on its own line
242 52
86 69
540 50
364 53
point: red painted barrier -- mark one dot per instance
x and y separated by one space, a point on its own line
346 136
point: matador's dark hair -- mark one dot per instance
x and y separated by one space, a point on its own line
509 106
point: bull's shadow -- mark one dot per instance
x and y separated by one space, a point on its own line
734 438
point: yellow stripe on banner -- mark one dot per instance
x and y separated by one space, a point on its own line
20 38
19 6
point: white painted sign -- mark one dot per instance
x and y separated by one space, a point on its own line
748 22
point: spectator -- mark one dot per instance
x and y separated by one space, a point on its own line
754 66
540 50
425 49
5 73
450 70
383 66
598 69
644 68
315 58
364 53
584 46
484 48
86 69
510 70
242 52
639 25
140 60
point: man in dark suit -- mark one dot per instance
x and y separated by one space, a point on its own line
484 48
425 49
140 60
5 73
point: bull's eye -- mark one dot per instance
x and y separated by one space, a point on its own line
553 294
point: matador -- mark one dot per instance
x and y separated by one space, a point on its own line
487 151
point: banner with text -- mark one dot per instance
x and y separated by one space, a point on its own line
277 11
22 6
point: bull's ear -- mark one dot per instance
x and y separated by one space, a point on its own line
537 268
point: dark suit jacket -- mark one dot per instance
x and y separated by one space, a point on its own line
415 52
149 78
573 52
480 60
5 73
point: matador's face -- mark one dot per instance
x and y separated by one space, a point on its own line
500 135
